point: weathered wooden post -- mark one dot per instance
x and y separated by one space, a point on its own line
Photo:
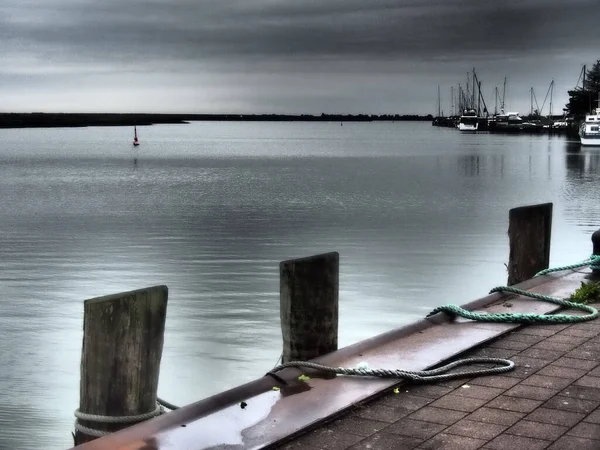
309 289
596 251
529 233
120 361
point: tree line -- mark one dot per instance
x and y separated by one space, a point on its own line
583 100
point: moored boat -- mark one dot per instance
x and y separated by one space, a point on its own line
135 138
468 122
589 131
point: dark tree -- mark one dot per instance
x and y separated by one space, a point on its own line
582 100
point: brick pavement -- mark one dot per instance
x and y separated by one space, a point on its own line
550 401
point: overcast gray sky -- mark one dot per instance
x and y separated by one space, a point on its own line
287 56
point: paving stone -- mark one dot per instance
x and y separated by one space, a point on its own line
567 339
576 363
510 403
534 330
508 344
497 416
581 332
555 327
452 442
437 415
525 366
453 383
547 382
586 430
588 381
593 417
541 353
595 372
475 391
523 337
495 381
555 346
561 372
478 430
407 400
555 417
583 392
415 428
506 441
584 353
459 403
296 445
490 352
324 438
537 430
381 412
387 441
572 404
574 443
356 425
427 390
532 392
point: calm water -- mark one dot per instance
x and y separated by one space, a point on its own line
418 213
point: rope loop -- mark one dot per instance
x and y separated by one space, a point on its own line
421 376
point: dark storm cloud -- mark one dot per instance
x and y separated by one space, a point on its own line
344 37
173 29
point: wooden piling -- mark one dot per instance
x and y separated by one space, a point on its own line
596 251
309 290
529 233
122 348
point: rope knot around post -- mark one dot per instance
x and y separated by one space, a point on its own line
98 418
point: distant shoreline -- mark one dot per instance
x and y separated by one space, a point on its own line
69 120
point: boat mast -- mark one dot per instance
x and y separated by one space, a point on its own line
531 101
473 97
467 93
496 101
551 92
503 96
481 99
439 103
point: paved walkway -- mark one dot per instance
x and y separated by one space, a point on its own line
550 401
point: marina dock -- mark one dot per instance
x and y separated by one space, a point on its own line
549 399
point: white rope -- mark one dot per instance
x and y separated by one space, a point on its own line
98 418
119 419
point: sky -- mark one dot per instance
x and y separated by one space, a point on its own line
288 56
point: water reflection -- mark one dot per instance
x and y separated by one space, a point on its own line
580 190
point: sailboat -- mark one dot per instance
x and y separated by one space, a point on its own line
135 138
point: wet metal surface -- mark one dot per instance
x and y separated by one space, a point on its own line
269 415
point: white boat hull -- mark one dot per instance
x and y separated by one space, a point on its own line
590 141
589 132
467 128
